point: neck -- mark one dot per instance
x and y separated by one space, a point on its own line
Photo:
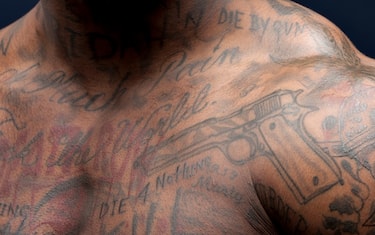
85 33
67 37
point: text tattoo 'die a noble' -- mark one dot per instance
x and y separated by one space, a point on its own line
212 145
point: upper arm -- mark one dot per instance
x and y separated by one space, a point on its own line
317 170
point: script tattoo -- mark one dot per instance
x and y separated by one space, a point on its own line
178 167
321 33
290 9
259 24
254 128
177 66
4 44
69 146
64 88
356 127
8 117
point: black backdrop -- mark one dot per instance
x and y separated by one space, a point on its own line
10 10
355 17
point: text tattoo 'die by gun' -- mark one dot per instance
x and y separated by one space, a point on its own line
256 125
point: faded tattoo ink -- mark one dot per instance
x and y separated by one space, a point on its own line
8 117
4 44
258 128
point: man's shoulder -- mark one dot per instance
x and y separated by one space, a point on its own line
287 30
314 171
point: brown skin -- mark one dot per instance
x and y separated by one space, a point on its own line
195 117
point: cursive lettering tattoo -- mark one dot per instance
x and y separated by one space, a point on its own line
5 43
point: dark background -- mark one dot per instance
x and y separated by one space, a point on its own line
355 17
10 10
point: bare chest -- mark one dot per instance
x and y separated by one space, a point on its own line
118 178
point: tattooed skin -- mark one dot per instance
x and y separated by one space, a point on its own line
193 117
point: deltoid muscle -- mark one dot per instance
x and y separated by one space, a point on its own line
271 127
